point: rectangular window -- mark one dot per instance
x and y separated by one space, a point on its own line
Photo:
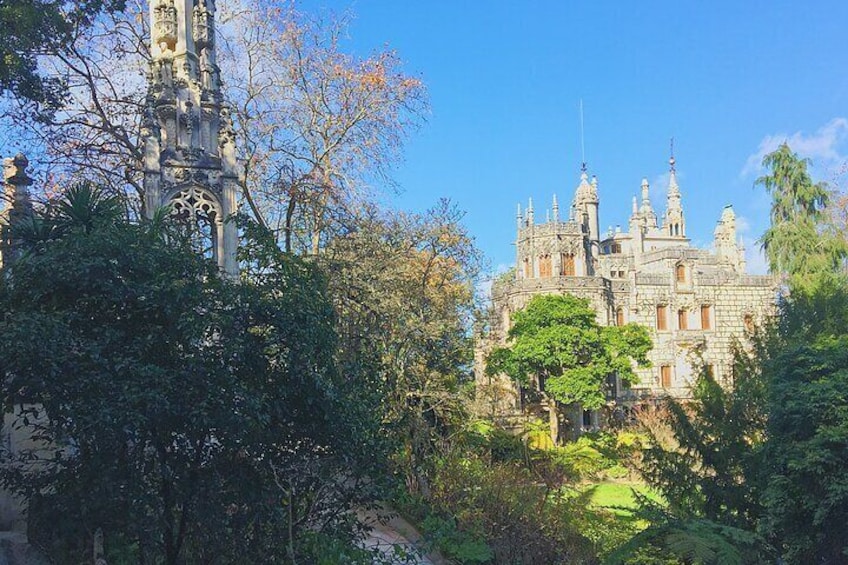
680 273
545 269
665 376
619 317
682 320
567 269
662 322
706 322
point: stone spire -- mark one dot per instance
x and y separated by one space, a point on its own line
675 224
646 210
556 209
17 205
189 142
530 217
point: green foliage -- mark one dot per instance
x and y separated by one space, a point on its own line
29 28
557 342
508 507
718 435
457 545
190 417
403 287
672 541
590 456
806 461
800 241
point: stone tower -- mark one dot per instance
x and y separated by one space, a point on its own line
189 143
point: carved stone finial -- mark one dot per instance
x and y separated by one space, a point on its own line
14 171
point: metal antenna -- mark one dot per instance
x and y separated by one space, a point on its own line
582 144
671 160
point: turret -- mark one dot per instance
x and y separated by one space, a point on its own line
649 218
637 232
675 224
586 201
727 249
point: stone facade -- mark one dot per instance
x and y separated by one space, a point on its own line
696 303
189 143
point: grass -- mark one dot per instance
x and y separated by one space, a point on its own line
617 497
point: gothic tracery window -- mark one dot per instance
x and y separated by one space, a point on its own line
199 211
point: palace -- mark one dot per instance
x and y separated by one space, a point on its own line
696 303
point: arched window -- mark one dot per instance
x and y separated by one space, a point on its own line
619 317
545 270
200 212
749 323
567 268
680 273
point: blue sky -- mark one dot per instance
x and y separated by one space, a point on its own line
728 80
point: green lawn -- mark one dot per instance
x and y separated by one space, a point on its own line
618 497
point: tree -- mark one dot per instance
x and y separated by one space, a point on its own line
189 417
711 471
804 460
404 287
757 466
29 28
800 242
317 129
558 348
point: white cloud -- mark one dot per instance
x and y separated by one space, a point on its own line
827 147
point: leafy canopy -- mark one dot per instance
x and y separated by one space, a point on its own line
557 342
800 242
197 417
29 28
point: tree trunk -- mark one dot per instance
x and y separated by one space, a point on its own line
553 420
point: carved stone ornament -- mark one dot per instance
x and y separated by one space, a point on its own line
165 25
204 25
194 202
